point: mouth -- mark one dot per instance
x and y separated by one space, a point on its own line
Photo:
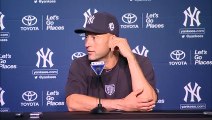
90 52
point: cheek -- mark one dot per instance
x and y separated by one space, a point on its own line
102 43
102 48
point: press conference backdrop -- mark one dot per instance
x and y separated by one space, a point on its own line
38 45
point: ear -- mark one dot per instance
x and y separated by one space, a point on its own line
111 38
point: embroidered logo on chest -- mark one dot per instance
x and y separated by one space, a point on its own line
110 89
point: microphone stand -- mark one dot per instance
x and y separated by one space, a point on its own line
99 109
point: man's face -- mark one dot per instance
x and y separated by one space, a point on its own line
97 46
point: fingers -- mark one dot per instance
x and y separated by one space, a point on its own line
134 103
145 104
114 43
149 108
117 42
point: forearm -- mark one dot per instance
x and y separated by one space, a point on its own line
138 79
78 102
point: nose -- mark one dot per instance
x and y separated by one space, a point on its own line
88 41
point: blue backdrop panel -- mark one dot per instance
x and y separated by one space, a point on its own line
38 45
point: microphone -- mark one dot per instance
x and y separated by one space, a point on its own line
98 68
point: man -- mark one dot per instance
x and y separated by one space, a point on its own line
127 81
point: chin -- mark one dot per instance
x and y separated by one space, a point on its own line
91 58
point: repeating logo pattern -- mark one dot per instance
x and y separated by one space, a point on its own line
29 96
30 99
194 94
1 21
192 24
4 58
1 97
29 20
143 52
177 55
130 20
44 65
3 35
47 58
77 55
150 21
194 17
47 31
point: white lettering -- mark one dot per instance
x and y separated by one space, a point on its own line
55 28
154 25
29 104
129 26
51 103
3 66
29 28
178 63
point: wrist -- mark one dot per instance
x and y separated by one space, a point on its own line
131 58
113 104
120 104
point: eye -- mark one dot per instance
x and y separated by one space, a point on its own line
86 36
93 37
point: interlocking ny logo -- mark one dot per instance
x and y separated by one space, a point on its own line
194 92
46 57
193 17
142 52
88 17
1 96
1 21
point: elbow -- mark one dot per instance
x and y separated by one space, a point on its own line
155 96
71 105
70 109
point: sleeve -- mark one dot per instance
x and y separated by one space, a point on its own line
76 81
147 70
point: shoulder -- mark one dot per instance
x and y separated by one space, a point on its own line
82 61
143 61
141 58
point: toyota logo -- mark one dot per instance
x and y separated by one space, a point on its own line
177 55
29 96
78 55
29 20
129 18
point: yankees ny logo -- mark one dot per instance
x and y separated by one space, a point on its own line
1 21
89 17
193 16
1 96
194 92
46 57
